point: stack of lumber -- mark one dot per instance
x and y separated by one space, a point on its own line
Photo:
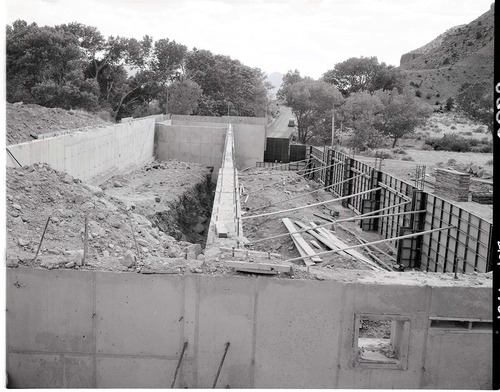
452 184
301 244
327 238
482 197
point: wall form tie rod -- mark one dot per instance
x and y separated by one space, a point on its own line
309 171
312 205
276 183
305 194
220 365
333 221
179 363
374 242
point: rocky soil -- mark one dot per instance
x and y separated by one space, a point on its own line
280 188
123 232
26 121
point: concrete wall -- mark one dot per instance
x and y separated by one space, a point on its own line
86 155
225 223
224 119
69 328
249 135
187 143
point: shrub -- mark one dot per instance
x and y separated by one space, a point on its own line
428 96
407 158
438 103
451 162
468 133
418 93
453 127
426 147
478 130
459 144
438 95
490 162
399 150
383 155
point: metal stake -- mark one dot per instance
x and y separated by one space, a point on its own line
41 240
220 365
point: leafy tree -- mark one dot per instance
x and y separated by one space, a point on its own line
44 66
227 84
353 74
476 101
364 74
183 97
400 115
312 103
360 112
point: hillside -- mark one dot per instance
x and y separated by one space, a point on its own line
463 54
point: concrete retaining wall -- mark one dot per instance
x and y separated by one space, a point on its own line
86 155
188 143
70 329
249 136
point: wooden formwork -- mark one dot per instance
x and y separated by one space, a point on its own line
465 248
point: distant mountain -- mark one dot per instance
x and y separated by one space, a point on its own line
276 79
462 54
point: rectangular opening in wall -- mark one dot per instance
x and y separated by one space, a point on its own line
450 324
381 341
461 324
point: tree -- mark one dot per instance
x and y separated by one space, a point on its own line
183 97
45 66
476 101
400 115
360 112
226 84
353 74
364 74
312 103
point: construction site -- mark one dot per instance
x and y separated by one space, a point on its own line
177 251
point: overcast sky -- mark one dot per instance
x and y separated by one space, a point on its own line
274 35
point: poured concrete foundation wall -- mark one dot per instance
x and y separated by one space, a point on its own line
70 328
187 143
88 154
249 136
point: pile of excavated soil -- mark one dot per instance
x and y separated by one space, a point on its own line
36 192
270 191
26 121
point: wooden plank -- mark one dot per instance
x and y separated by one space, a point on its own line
251 252
320 237
315 244
300 242
256 267
352 252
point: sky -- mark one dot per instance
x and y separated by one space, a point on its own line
273 35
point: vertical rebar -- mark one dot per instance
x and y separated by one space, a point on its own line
179 363
41 239
220 365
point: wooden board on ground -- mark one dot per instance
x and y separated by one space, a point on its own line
354 253
301 244
324 240
259 268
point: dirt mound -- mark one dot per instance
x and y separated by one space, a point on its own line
26 121
36 192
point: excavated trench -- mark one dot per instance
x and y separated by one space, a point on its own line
188 217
